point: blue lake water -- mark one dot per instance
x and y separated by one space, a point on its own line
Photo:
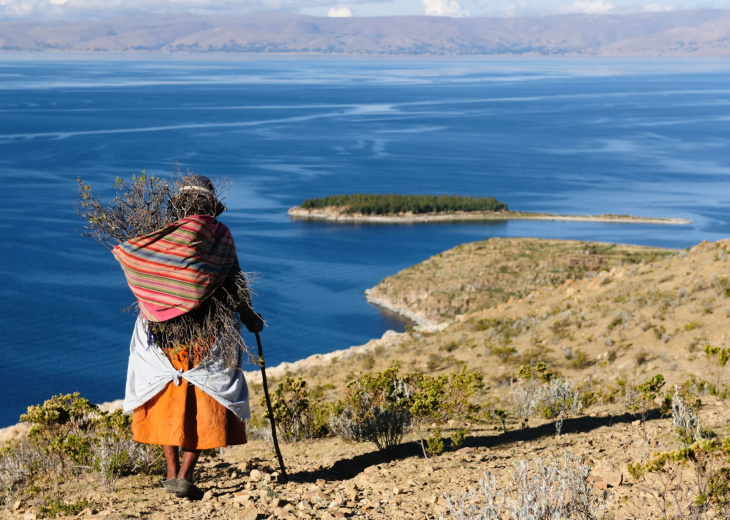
643 137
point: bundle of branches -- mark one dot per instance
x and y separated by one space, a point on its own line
143 205
217 318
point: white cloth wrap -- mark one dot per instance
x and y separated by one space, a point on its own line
150 371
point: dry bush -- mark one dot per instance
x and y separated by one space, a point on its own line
557 400
685 418
524 398
539 491
541 391
692 483
20 461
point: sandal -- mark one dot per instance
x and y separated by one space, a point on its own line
186 489
170 485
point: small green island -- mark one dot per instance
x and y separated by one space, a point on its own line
394 209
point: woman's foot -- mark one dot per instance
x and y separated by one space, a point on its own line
186 489
170 485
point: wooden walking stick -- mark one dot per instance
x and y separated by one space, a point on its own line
284 477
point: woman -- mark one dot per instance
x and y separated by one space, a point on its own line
185 386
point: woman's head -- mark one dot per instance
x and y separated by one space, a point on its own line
196 196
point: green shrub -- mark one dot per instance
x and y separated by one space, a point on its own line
74 447
435 444
539 371
59 417
375 409
640 398
501 416
580 361
297 416
718 354
442 398
503 353
445 397
57 506
458 437
62 430
691 326
461 387
69 435
383 408
588 399
717 358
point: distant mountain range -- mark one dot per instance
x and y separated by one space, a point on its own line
703 32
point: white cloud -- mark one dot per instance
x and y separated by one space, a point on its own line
73 8
658 8
444 8
14 8
591 6
340 12
514 8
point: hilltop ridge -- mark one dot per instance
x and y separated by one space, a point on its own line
699 32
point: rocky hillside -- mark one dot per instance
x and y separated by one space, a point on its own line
621 313
483 274
602 317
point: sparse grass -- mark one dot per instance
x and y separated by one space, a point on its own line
580 361
642 357
691 326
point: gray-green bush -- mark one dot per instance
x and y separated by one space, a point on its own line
538 491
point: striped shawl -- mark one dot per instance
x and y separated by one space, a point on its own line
173 270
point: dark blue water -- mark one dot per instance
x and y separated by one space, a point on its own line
638 137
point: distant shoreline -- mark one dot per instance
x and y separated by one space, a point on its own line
685 33
183 56
337 215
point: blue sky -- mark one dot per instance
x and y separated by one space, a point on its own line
101 8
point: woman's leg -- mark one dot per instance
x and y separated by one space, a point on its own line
173 462
189 459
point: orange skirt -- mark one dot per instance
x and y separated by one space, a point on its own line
186 416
